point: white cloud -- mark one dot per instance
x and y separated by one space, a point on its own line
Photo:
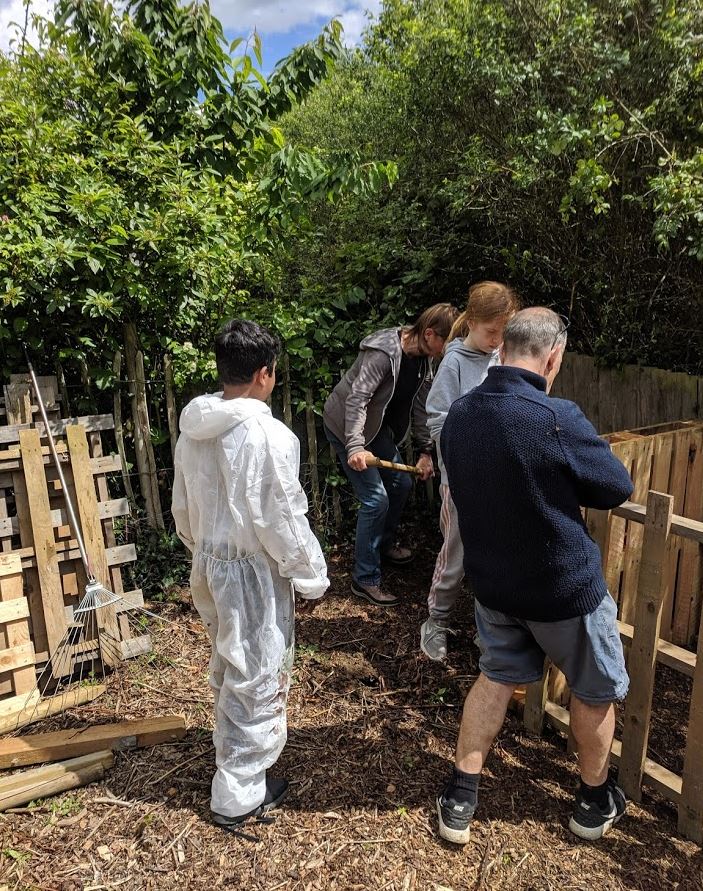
14 11
239 16
281 16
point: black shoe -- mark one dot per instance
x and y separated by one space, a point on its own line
276 791
590 820
454 819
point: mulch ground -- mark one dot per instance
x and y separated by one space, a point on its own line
372 729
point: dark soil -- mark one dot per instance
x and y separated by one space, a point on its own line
372 729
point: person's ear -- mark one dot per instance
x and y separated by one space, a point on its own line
262 376
553 361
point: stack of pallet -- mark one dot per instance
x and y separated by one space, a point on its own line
41 575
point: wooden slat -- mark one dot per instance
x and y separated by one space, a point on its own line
691 805
127 735
33 784
130 600
115 507
14 704
11 434
641 473
666 782
44 544
117 555
87 506
53 705
643 651
681 660
14 609
535 699
16 657
14 612
11 460
136 646
681 526
688 582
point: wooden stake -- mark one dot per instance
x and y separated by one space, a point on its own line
691 804
643 652
171 413
45 781
285 384
312 454
119 432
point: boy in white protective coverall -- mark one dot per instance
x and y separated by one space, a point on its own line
239 507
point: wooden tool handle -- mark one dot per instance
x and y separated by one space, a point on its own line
391 465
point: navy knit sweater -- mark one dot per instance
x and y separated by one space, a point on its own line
520 464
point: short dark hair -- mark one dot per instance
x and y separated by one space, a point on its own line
242 348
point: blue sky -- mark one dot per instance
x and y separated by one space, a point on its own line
282 24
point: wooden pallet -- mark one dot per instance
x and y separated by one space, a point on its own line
36 539
666 458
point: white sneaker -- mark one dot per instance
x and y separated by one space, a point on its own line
433 640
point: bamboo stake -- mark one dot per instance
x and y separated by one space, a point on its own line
285 382
119 432
171 413
312 452
63 389
391 465
146 433
336 500
130 342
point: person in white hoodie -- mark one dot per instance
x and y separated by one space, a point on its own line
472 347
239 507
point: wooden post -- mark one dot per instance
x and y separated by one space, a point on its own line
535 700
691 802
643 651
285 383
312 453
63 389
119 432
336 500
171 413
146 464
47 600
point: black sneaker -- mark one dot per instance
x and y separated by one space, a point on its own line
590 820
454 819
276 791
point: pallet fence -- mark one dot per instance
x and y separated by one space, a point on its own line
645 648
42 578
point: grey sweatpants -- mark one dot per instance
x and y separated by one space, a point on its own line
449 568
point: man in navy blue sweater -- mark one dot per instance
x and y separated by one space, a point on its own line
520 466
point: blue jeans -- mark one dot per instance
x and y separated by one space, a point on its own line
382 494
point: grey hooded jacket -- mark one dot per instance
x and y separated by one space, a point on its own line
355 408
461 370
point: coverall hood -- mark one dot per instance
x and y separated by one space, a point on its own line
206 417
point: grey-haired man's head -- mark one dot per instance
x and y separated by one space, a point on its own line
535 339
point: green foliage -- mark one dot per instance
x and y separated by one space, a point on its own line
555 143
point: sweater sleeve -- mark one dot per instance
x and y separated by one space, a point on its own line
601 479
375 366
446 387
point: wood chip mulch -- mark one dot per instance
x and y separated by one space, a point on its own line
372 729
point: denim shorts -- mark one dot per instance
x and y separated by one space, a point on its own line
587 649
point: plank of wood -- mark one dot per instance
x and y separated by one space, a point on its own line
616 545
535 699
87 506
666 782
598 525
19 780
12 610
41 783
114 507
680 526
16 657
690 818
69 551
688 582
14 704
136 646
677 488
53 705
643 651
43 536
641 475
130 600
668 653
11 434
39 748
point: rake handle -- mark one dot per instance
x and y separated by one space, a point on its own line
391 465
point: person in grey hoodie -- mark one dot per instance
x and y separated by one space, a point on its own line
379 401
472 347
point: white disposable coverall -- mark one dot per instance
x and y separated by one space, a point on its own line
239 507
